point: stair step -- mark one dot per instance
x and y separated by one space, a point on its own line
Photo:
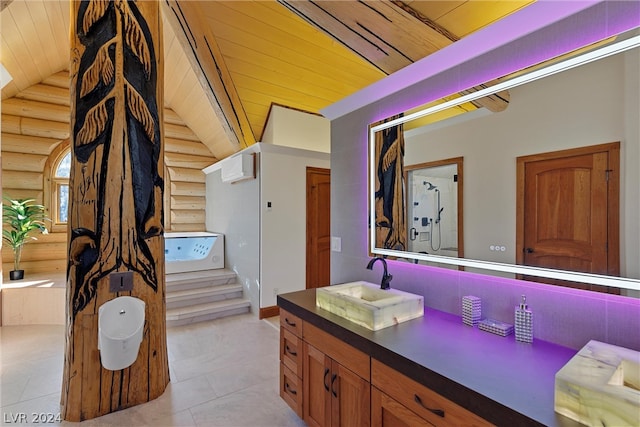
181 298
199 279
208 311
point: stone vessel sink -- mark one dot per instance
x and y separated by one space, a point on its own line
600 386
367 305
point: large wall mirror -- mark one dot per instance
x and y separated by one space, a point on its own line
548 146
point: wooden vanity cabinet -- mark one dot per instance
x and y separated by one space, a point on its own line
396 397
291 383
336 381
327 382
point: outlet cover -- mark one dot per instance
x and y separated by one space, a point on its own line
121 281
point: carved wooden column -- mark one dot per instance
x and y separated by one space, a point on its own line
115 206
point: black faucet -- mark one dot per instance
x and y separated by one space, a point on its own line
386 278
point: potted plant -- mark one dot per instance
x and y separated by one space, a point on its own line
21 217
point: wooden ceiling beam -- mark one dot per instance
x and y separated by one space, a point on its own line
387 33
384 34
201 48
4 4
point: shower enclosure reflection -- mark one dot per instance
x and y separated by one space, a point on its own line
434 207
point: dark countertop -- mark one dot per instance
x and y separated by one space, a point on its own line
504 381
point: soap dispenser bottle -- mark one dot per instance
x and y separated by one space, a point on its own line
524 322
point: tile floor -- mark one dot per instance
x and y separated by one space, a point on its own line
223 373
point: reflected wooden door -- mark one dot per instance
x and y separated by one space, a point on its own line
318 227
568 211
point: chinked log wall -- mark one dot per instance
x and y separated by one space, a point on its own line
36 121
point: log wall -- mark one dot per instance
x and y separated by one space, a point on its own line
36 122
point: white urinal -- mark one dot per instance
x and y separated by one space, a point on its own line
120 327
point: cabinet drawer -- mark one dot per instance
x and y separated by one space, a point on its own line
291 351
291 389
338 350
431 406
386 412
290 322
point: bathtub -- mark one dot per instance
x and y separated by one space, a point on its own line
193 251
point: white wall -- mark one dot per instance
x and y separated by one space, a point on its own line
234 210
630 238
297 129
585 106
265 247
283 227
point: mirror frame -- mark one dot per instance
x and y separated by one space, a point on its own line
596 279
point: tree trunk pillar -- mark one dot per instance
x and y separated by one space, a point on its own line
115 200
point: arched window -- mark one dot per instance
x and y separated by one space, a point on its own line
56 197
60 180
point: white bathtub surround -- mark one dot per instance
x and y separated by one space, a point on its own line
193 251
198 296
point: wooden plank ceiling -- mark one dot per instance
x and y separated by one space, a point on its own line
228 62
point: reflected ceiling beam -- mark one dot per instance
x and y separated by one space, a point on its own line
387 33
495 103
189 24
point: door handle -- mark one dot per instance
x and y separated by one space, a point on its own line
333 380
413 233
438 412
529 250
326 372
293 353
289 389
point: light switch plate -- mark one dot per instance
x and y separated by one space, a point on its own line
336 244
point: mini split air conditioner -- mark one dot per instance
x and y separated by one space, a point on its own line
238 168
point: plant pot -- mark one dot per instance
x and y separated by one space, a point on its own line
16 274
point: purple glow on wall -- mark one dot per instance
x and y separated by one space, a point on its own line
569 317
565 316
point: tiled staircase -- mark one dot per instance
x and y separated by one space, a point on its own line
203 295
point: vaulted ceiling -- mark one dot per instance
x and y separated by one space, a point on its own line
228 62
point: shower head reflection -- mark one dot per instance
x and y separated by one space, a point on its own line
431 186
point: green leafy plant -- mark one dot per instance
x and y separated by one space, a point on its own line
21 217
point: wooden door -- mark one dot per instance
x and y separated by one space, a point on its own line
350 402
316 379
318 227
568 211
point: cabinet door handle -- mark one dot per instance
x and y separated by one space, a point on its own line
438 412
326 372
289 389
286 320
288 350
333 379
